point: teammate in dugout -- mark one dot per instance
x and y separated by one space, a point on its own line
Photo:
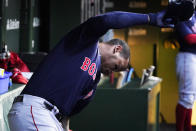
186 73
66 80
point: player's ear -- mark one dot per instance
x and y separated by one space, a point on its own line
117 48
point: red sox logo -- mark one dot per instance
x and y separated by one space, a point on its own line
90 67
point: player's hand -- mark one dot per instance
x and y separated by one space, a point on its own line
159 20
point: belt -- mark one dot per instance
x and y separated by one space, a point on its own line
48 106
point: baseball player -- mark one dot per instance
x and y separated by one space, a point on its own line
186 73
66 80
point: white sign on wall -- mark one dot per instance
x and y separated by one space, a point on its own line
6 3
109 4
36 22
12 24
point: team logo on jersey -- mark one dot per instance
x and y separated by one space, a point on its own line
90 67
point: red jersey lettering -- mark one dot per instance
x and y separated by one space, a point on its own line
92 68
86 64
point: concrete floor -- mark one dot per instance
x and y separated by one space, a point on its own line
171 127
